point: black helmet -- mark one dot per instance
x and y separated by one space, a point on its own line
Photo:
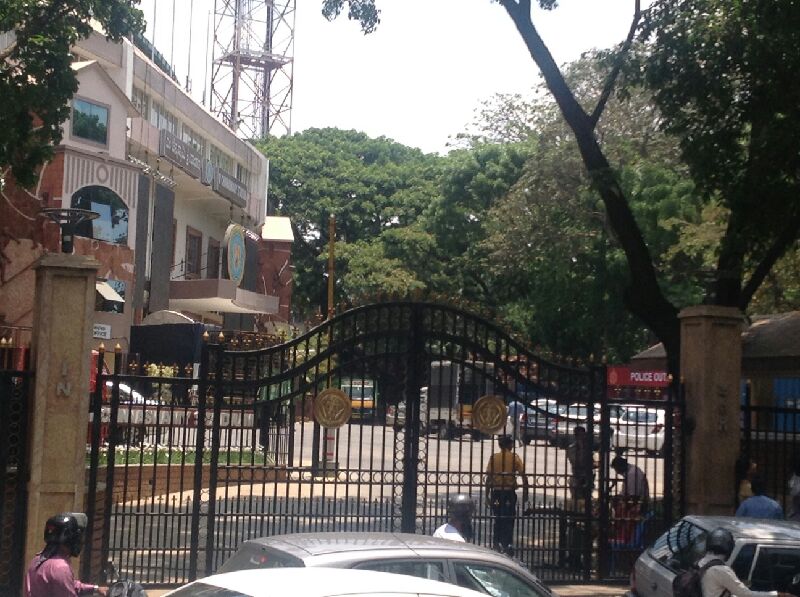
461 504
66 529
720 541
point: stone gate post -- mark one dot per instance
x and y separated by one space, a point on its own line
711 366
59 416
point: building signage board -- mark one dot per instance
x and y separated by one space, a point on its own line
230 188
624 376
237 251
101 330
183 155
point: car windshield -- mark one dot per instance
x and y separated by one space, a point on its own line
680 546
640 416
203 590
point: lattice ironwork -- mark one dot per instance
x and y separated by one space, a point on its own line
248 459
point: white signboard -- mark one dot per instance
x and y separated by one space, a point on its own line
101 330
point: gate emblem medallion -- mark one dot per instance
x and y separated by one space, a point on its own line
332 408
489 414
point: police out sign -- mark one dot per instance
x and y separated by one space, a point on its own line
624 376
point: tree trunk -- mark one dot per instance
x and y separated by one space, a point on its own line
643 296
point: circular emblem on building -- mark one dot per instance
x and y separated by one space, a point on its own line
332 408
236 253
489 414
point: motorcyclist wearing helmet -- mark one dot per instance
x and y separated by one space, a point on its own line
458 527
721 579
50 573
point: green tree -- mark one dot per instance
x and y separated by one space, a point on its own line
371 186
36 78
718 69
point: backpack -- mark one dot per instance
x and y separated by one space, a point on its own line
687 583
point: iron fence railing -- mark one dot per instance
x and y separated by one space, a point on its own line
770 438
184 468
15 389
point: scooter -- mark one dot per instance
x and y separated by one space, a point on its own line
118 587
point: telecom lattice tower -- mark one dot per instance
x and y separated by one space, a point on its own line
252 66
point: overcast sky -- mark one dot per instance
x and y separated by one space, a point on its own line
420 76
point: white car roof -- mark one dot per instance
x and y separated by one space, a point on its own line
325 582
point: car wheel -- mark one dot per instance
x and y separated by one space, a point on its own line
445 432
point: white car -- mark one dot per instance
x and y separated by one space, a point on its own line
127 395
640 428
765 557
319 582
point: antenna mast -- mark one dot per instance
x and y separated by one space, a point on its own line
252 66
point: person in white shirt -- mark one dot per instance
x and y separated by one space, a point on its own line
721 579
458 527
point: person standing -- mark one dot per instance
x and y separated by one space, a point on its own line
718 578
50 573
632 501
501 486
579 455
759 505
458 527
745 470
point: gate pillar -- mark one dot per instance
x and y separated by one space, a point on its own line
711 367
59 414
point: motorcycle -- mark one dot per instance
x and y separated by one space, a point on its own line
118 587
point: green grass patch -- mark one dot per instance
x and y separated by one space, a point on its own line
143 456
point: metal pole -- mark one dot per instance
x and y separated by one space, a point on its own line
331 264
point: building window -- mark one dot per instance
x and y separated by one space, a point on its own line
161 118
220 159
194 252
112 223
141 101
212 259
90 121
194 139
243 175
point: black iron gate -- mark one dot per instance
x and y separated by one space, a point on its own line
186 468
15 387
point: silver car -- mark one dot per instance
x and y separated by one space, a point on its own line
766 555
461 564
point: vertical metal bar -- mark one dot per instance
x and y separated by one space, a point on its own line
668 456
411 448
110 458
94 462
215 440
682 399
599 385
200 439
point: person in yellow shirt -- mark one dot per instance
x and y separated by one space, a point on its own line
501 485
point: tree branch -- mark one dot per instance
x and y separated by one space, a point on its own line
781 243
643 295
614 74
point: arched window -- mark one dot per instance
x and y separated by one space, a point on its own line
112 225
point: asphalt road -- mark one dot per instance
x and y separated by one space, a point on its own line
361 490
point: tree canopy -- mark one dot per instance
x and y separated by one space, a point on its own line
721 73
36 77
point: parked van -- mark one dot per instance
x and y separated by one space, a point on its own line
363 398
452 391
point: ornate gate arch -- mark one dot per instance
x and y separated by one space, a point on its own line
239 453
368 475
